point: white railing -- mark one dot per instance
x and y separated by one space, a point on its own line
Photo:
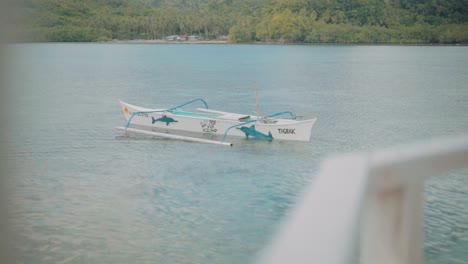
371 202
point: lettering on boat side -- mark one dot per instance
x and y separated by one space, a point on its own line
286 130
138 114
208 125
163 119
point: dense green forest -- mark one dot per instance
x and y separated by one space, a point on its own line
285 21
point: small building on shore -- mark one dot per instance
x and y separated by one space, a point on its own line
172 37
176 38
194 38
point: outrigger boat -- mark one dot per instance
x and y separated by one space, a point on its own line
205 120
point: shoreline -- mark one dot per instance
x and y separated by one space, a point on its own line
161 41
195 42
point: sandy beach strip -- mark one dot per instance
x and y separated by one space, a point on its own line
161 41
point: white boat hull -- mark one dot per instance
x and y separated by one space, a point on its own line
218 124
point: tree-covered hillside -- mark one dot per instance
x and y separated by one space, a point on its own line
315 21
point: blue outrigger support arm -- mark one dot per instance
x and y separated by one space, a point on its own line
229 128
281 113
189 102
165 110
251 121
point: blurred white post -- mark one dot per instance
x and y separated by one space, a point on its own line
323 226
379 194
393 220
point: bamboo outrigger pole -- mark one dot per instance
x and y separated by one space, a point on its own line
184 138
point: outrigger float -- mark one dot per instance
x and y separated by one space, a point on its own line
205 120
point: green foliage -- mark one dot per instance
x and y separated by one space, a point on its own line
285 27
239 34
318 21
242 31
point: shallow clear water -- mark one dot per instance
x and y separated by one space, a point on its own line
83 193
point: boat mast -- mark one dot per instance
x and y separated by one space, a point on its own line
256 99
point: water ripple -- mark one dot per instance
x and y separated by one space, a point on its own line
84 193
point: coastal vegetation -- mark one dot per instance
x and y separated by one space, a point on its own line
284 21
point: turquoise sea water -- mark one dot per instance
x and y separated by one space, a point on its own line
81 192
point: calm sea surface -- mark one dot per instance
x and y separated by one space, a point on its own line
83 193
